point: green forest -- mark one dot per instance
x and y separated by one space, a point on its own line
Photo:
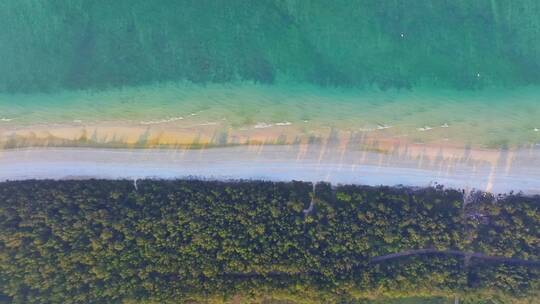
193 241
88 44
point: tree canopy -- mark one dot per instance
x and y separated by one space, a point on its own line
182 241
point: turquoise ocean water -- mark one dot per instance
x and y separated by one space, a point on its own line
466 71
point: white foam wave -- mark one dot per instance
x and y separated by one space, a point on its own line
366 129
167 120
425 128
6 119
285 123
262 125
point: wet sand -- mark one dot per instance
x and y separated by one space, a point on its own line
197 133
497 171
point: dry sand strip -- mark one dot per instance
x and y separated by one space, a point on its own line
495 171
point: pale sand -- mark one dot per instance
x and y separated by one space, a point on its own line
336 162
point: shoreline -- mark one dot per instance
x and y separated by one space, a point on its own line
174 135
178 114
500 171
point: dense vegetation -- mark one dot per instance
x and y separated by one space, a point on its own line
101 241
84 44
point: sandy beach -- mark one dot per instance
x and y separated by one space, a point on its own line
198 132
411 165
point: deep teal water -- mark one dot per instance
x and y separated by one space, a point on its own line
83 44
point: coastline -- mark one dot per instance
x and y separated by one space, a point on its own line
200 133
499 171
184 114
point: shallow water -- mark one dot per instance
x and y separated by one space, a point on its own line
491 118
